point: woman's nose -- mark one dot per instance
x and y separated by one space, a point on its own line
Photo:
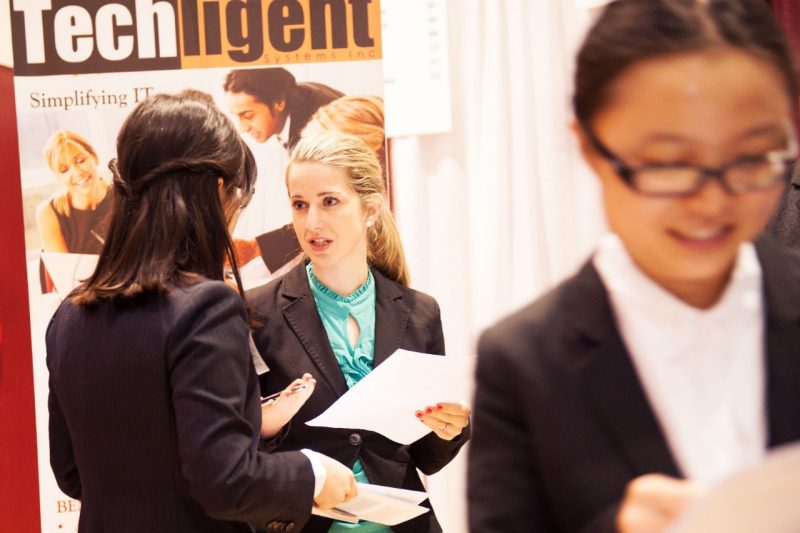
75 170
314 219
711 200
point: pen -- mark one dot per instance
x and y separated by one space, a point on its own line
293 390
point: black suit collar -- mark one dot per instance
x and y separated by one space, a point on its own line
300 311
610 381
782 306
614 390
391 317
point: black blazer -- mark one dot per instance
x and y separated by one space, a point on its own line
155 417
303 102
562 423
293 340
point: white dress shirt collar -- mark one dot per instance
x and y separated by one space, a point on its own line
702 369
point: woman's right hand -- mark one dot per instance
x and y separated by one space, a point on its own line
653 502
277 412
340 484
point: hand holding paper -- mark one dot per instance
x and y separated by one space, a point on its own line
386 400
383 505
447 420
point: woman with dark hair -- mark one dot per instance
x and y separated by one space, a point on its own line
154 406
346 310
669 361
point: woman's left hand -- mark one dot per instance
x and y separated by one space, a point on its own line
447 420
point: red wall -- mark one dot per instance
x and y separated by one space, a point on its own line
19 479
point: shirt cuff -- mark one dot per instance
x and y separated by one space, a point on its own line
320 474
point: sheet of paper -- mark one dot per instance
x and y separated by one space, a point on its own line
68 270
375 503
414 497
386 399
762 498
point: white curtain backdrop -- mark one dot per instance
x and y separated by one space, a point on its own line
500 209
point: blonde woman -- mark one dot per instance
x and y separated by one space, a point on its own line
74 219
361 116
345 310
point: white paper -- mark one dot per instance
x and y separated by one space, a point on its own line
386 399
68 270
763 498
375 503
414 497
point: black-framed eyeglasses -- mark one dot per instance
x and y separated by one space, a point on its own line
749 173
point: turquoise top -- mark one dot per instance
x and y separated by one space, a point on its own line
354 361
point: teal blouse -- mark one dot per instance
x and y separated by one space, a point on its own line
354 361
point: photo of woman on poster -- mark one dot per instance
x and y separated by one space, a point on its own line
74 219
360 115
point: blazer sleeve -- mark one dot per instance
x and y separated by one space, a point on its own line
210 370
502 489
430 453
62 456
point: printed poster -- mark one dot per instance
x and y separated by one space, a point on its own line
277 67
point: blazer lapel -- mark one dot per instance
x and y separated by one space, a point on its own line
782 307
301 313
391 317
612 386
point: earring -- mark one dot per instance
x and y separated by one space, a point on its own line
369 223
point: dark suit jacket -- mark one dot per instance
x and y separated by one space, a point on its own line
785 225
293 340
303 102
562 423
155 416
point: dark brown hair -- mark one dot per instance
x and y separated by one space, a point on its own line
630 31
267 85
169 224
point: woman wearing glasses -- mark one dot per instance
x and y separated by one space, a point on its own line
669 361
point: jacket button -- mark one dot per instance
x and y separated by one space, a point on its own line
289 526
354 439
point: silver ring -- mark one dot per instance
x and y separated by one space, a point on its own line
445 426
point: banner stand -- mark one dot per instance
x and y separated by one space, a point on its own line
19 482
